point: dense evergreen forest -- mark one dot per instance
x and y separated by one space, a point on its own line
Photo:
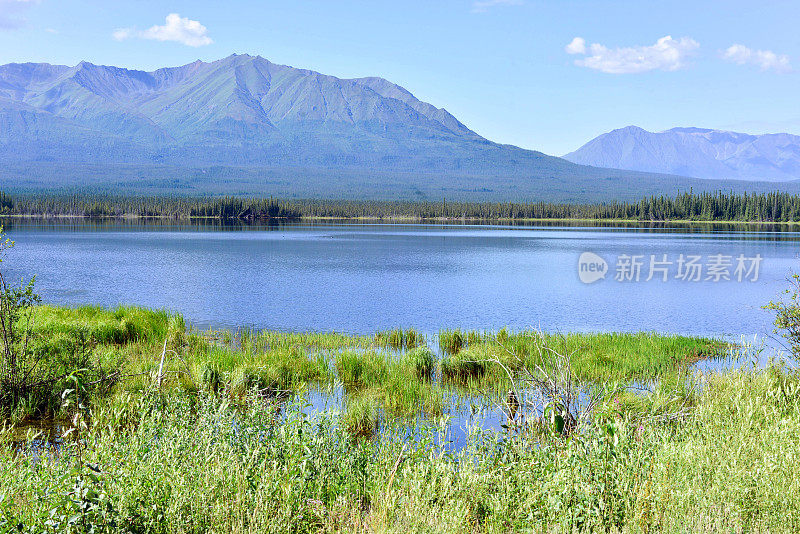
764 207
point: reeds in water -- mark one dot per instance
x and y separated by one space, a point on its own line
451 341
422 361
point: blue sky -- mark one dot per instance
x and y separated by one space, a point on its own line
512 70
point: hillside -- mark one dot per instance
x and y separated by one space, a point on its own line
696 152
244 125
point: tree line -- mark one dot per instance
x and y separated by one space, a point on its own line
718 206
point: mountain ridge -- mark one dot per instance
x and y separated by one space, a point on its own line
695 152
243 124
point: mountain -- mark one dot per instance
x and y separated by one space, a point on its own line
245 125
695 152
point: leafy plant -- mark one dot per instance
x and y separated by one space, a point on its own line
787 314
20 371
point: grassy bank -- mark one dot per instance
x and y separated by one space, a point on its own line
172 462
165 430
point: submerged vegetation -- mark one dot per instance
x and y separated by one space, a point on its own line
756 207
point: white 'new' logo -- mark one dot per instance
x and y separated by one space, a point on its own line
591 267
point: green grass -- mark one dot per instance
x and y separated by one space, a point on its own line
394 369
118 326
361 369
595 357
175 463
399 385
465 366
451 341
399 339
362 414
422 362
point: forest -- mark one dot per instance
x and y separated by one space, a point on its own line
719 206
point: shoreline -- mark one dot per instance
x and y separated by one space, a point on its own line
381 219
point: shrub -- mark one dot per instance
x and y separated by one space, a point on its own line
787 314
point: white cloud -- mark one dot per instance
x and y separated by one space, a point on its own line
120 34
576 46
666 54
481 6
764 59
178 29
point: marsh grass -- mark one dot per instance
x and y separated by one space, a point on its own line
422 361
103 326
595 357
400 386
461 367
451 341
361 369
178 463
84 340
399 339
403 382
269 340
362 414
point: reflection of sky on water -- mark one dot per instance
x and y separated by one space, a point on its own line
363 278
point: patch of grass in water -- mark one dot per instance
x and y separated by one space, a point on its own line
399 339
362 415
462 367
595 357
422 361
104 326
451 341
361 369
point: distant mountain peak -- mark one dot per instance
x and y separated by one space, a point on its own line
245 125
690 130
631 129
696 152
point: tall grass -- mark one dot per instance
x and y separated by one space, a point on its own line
399 339
422 362
595 357
118 326
360 369
177 463
451 341
129 343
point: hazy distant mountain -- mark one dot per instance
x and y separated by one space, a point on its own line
244 125
695 152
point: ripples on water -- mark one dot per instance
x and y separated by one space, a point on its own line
360 278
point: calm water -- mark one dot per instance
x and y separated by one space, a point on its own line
363 278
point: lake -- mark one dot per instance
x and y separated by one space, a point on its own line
360 278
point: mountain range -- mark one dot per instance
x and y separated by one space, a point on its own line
696 152
245 125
